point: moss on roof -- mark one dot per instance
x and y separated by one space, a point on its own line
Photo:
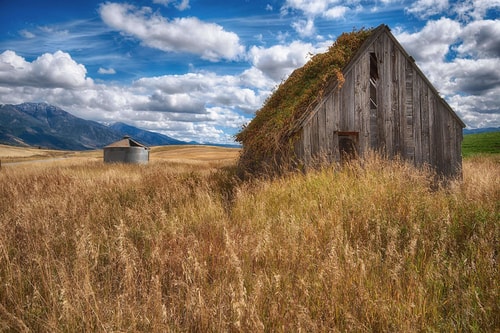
273 130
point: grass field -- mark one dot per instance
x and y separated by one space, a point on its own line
181 244
182 154
481 143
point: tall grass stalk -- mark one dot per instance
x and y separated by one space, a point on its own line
170 247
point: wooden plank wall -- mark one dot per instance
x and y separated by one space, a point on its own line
411 120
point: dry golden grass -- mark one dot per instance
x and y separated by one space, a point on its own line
200 155
173 246
17 154
186 154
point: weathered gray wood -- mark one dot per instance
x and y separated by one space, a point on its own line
425 121
305 146
362 103
410 137
322 130
409 117
330 127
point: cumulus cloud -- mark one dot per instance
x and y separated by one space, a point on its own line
466 10
254 77
432 43
476 77
204 90
311 9
477 111
304 27
175 84
427 8
336 12
48 70
279 61
465 76
182 103
474 9
481 39
191 35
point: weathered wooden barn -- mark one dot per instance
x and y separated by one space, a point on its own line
380 101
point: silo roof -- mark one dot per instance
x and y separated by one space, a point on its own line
125 142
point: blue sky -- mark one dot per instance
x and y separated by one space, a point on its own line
199 69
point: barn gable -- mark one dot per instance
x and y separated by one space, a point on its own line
380 101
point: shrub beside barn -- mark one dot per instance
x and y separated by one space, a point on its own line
365 94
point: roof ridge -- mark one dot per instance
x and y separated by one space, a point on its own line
126 141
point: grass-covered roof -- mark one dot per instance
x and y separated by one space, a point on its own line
271 133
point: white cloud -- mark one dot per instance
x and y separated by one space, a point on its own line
106 71
468 10
466 76
336 12
254 77
279 61
225 117
304 28
180 5
308 7
481 39
312 9
203 90
175 84
433 42
427 8
477 111
181 103
48 70
208 40
183 5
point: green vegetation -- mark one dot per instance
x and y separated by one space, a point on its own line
172 247
270 133
481 143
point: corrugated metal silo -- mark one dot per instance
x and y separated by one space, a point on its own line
126 150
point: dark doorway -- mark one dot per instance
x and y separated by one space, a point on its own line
348 145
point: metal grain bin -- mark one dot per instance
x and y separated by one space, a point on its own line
126 150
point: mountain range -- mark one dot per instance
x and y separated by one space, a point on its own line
481 130
47 126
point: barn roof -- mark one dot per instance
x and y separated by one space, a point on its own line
127 141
